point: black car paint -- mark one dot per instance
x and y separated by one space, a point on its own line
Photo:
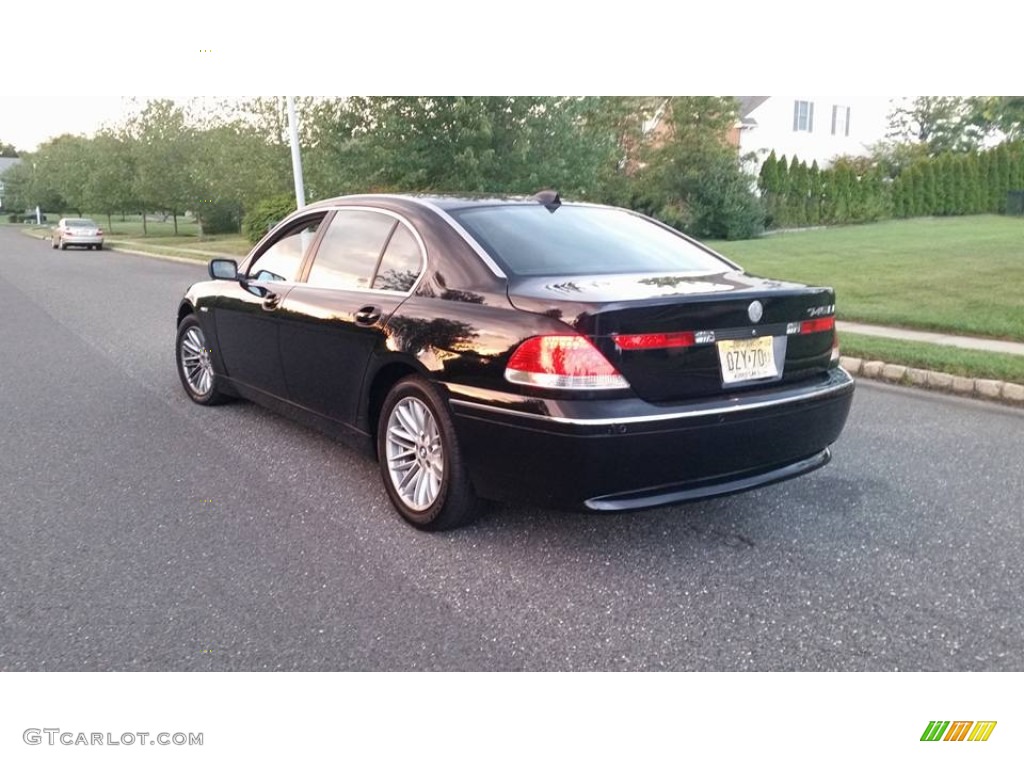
308 357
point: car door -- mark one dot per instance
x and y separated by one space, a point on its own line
365 266
247 313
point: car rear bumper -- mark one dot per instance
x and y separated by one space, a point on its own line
628 454
82 240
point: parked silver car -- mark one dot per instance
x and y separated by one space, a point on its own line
82 232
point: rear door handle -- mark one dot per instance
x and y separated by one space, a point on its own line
367 315
271 301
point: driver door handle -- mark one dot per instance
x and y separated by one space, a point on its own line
367 315
271 301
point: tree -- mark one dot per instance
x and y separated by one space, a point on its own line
495 144
693 179
7 150
61 171
768 182
999 114
162 150
941 123
108 189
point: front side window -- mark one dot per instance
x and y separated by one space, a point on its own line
283 259
803 116
581 240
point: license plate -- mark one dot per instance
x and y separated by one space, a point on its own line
747 359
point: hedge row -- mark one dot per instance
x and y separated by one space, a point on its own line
797 195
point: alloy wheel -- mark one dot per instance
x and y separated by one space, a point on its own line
195 362
415 455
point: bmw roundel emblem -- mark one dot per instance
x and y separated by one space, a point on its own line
755 311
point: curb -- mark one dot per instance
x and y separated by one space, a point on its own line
986 389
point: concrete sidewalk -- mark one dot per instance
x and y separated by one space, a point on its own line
964 342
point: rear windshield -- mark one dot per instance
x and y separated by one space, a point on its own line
81 223
580 240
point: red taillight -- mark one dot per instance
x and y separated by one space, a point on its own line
99 231
562 362
818 325
655 340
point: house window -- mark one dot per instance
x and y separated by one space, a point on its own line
840 120
803 116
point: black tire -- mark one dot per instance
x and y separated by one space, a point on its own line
53 243
63 245
191 341
455 503
99 247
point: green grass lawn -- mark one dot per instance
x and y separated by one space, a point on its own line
960 274
975 364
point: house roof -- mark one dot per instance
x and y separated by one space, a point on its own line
8 162
748 104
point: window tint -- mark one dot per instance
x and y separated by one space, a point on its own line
580 240
348 255
281 261
401 264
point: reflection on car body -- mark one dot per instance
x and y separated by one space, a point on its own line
557 353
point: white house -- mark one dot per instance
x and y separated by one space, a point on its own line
810 127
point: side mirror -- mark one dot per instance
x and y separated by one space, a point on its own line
223 269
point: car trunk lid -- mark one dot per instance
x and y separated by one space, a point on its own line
683 336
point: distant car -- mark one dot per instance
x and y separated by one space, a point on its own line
84 233
563 354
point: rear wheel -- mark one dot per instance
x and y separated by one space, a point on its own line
99 247
195 367
420 459
63 245
53 243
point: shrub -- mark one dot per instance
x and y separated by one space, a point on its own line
265 214
219 218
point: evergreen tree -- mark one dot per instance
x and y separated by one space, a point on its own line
932 201
972 184
782 199
1002 163
899 197
798 192
917 194
814 185
768 182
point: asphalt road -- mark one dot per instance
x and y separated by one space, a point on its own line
141 532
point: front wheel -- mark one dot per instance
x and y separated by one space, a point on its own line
195 367
420 460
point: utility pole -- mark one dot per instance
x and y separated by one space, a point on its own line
293 126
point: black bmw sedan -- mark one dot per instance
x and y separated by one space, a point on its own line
558 353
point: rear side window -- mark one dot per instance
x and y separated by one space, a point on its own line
347 258
367 249
580 240
401 263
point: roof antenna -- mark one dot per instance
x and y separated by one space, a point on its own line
549 199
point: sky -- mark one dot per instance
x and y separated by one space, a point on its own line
449 46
